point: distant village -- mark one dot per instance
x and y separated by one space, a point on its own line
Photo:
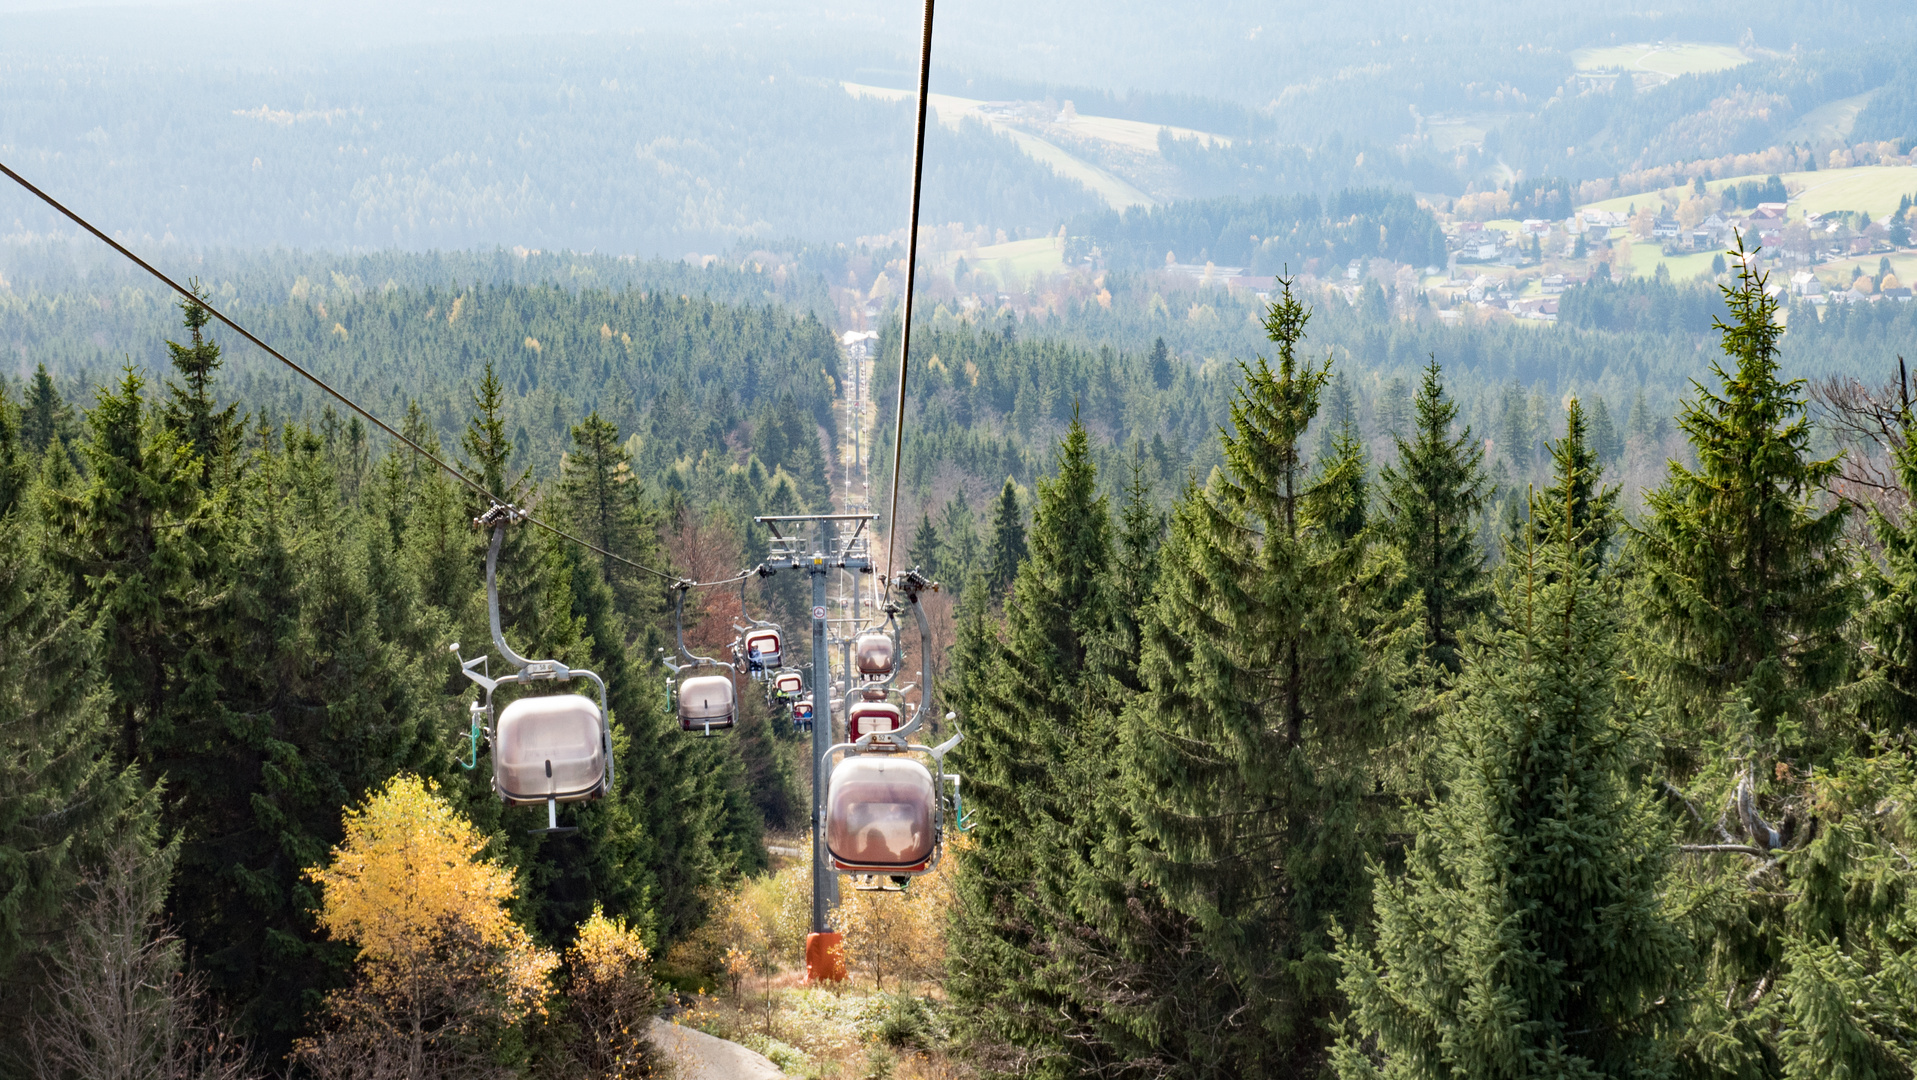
1519 268
1523 266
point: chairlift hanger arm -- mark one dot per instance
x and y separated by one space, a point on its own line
679 629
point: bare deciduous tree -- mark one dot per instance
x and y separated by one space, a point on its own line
120 1004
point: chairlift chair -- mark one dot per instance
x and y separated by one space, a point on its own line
885 811
761 644
762 649
872 715
788 683
549 748
802 714
876 654
705 703
882 816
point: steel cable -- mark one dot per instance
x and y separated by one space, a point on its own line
475 485
911 273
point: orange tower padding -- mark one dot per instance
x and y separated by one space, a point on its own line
825 957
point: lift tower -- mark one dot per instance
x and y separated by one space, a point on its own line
838 542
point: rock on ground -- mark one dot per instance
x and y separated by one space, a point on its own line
698 1056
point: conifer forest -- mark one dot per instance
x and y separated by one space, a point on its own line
1302 549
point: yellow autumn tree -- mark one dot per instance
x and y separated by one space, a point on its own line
444 973
611 999
900 935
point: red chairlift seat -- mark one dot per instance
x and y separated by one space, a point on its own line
789 682
875 655
767 642
880 816
866 717
706 702
551 747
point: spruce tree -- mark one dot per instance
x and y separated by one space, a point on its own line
191 411
1742 583
135 542
923 552
1142 991
1575 483
1527 935
1431 498
44 416
15 470
304 697
1889 619
958 541
603 502
1007 549
1025 722
1159 365
1249 752
1605 439
63 791
1342 490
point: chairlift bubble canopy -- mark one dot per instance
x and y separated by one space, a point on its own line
881 815
706 701
875 654
550 747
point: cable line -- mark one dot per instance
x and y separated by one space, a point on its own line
911 271
475 485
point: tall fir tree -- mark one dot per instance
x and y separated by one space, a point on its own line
44 416
923 552
64 794
604 502
212 433
958 541
1576 482
1248 754
1889 617
1742 583
1431 498
1528 935
1007 549
15 468
1025 721
136 541
316 706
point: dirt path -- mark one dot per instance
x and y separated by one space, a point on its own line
698 1056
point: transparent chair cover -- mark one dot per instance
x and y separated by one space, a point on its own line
549 747
879 814
706 701
874 654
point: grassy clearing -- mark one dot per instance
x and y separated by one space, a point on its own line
1014 263
1117 193
1645 257
1837 275
1669 60
1136 134
1829 121
1130 134
1875 188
